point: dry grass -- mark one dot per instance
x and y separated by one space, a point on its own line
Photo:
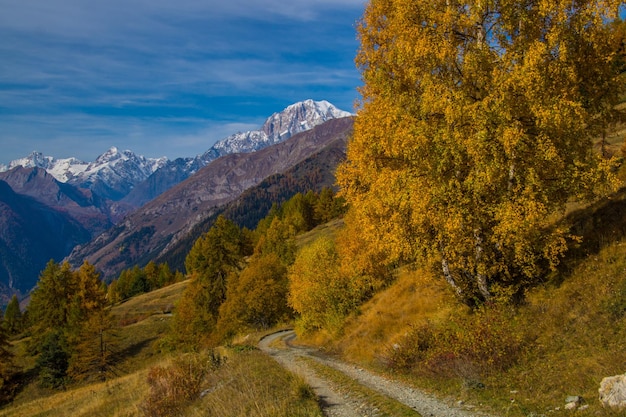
251 384
414 297
571 334
116 398
580 333
248 384
327 229
144 320
157 302
136 346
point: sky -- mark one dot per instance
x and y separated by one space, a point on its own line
163 77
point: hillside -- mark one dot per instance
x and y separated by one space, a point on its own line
506 361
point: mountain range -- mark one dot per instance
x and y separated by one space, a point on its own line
115 174
109 201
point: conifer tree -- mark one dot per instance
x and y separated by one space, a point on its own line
90 332
51 301
6 357
476 127
152 275
53 359
278 239
213 257
13 320
94 350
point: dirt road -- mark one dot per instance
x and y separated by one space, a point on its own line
338 403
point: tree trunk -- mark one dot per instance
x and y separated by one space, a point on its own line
449 278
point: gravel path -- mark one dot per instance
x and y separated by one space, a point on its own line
336 404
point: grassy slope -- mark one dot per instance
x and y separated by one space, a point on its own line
573 328
571 331
238 388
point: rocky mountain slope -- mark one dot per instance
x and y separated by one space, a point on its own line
31 233
296 118
166 220
85 207
280 126
112 175
314 173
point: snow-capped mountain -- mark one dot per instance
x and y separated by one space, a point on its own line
113 174
62 203
61 169
296 118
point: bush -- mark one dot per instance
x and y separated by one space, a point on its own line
412 349
175 386
466 346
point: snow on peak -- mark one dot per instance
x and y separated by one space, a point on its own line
61 169
295 118
112 165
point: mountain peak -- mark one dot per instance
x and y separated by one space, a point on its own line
280 126
112 154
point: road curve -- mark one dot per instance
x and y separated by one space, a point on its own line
335 404
332 402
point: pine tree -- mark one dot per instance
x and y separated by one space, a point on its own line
475 128
53 360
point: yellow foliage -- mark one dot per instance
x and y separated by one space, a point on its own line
257 298
475 129
318 291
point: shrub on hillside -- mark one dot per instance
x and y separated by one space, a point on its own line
174 386
466 346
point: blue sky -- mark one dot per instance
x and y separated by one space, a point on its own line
164 78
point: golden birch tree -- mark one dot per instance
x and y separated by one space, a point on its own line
475 128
